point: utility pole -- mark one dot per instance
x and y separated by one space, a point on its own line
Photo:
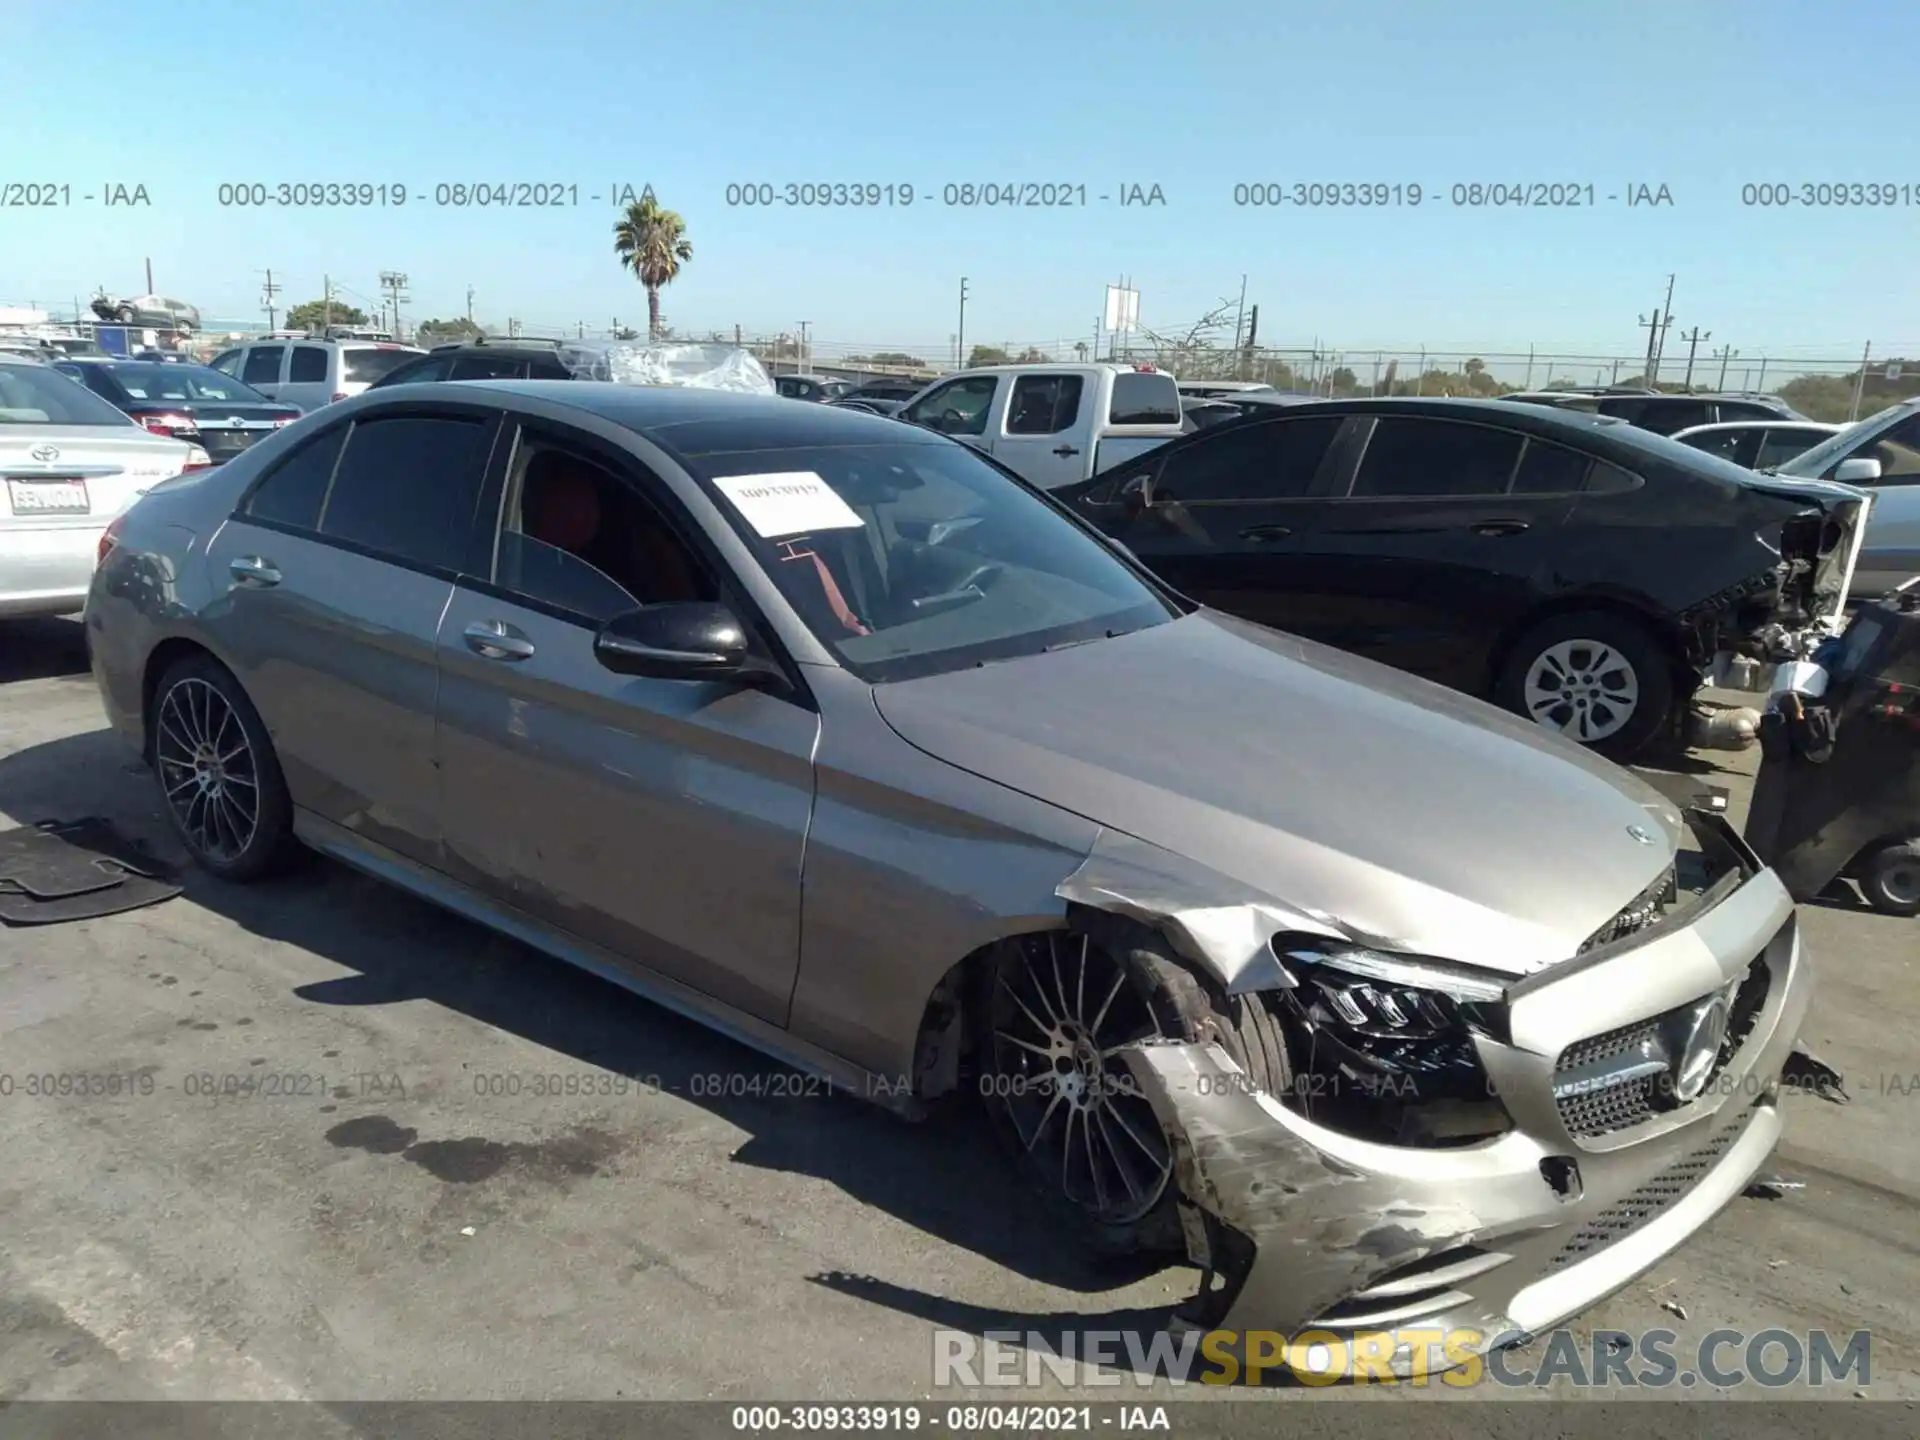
268 293
960 335
1860 385
1726 353
326 303
469 305
150 275
1666 319
806 352
393 282
1693 347
1240 312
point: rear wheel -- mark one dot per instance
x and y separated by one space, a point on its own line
1061 1009
219 777
1598 678
1890 878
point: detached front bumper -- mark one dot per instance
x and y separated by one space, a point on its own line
1355 1237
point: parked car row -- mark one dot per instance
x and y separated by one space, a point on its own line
311 373
916 777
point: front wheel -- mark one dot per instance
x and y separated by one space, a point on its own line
1060 1013
1598 678
1890 878
219 777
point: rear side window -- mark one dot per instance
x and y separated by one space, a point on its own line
1736 447
295 491
263 365
1043 404
434 369
228 363
1144 400
1436 458
406 488
1547 469
1746 410
1272 460
365 364
1780 446
488 367
1666 417
309 364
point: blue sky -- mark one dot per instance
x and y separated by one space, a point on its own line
1700 96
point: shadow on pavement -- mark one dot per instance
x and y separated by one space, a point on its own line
42 649
942 1177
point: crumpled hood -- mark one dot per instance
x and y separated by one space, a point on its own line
1409 815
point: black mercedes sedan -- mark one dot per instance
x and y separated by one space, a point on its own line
1577 569
188 402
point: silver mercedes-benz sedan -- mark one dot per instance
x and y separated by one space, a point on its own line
1384 1007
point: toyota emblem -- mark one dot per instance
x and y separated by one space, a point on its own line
45 454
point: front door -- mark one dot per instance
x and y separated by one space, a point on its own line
336 571
663 820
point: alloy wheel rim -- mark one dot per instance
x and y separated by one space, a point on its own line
1059 1024
207 770
1586 690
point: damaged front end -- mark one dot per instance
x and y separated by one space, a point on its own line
1783 612
1450 1146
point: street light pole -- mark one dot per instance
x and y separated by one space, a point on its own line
960 336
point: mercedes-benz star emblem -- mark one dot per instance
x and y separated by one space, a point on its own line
1706 1033
1641 833
45 454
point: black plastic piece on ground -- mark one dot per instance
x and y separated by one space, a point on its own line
76 870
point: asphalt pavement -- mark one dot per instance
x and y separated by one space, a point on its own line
359 1149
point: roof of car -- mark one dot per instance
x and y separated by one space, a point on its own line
1778 422
701 422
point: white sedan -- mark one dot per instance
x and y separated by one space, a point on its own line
1758 444
71 463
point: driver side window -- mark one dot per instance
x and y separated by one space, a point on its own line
1898 452
957 408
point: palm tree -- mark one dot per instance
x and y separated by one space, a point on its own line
652 243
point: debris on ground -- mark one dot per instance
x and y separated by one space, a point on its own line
1674 1307
83 869
1772 1188
1806 1071
1733 729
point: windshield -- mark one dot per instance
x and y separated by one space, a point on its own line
36 395
1808 464
913 557
154 380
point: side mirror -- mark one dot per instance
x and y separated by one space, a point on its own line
1857 472
684 640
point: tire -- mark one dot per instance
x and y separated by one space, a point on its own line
1602 680
1128 981
1889 876
212 755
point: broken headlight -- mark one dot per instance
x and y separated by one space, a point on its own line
1382 1046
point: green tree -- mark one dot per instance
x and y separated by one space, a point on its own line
444 332
314 315
987 355
1033 355
652 243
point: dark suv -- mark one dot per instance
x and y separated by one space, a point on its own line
480 360
1573 568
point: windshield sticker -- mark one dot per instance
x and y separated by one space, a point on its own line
796 502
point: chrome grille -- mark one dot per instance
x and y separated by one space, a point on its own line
1623 1217
1629 1101
1644 909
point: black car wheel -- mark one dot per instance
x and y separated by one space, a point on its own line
219 776
1890 878
1598 678
1061 1009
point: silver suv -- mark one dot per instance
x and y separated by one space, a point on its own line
312 373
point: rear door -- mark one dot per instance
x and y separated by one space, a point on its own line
1041 434
310 381
337 568
1448 533
1226 516
1739 446
263 367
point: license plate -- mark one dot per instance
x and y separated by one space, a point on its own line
48 497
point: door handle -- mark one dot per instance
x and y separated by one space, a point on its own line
1261 534
1066 450
254 571
496 640
1500 527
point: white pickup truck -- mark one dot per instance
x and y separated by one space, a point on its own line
1054 425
